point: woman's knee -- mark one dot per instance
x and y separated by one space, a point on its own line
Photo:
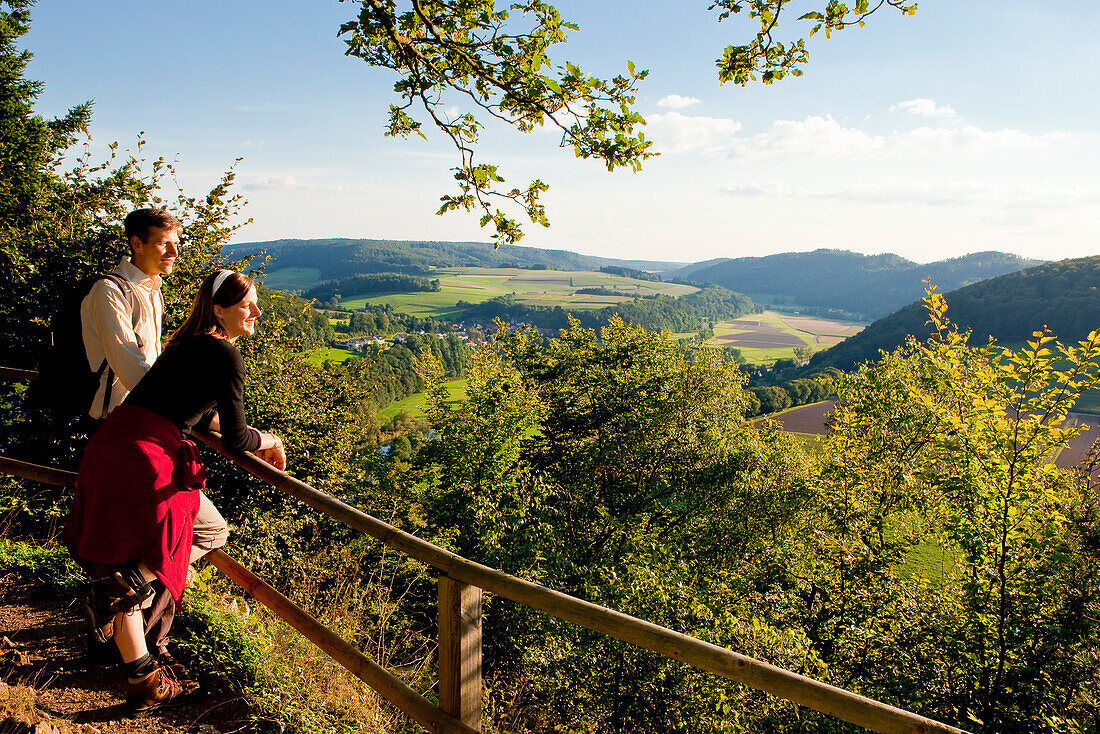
210 530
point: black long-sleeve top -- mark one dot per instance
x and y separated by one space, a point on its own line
190 379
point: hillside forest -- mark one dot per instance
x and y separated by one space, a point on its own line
928 553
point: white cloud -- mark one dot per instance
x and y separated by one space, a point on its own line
676 102
752 189
1010 219
933 192
975 138
673 132
825 137
813 136
285 183
925 108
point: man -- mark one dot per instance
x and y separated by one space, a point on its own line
122 325
125 327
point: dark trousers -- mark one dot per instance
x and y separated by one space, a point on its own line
158 616
158 620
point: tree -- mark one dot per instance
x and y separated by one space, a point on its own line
499 62
772 399
950 447
61 224
614 465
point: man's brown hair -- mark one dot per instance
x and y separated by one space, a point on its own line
140 221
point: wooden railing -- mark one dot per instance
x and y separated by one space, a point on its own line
459 646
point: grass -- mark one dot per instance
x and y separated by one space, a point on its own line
927 559
532 287
332 354
292 279
415 405
807 329
811 442
284 677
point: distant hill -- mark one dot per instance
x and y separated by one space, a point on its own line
331 259
1064 296
843 283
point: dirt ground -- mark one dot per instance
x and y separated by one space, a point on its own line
812 419
806 419
1079 446
50 688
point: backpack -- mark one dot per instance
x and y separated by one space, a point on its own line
66 384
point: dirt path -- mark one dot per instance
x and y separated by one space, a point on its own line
813 419
50 688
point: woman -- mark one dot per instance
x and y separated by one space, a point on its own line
137 492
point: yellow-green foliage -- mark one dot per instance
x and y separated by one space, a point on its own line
940 467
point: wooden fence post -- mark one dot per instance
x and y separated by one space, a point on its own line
460 650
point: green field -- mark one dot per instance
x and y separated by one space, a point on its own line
292 279
766 337
533 287
414 405
332 354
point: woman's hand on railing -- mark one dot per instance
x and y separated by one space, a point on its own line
271 450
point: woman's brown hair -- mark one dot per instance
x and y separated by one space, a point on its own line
202 319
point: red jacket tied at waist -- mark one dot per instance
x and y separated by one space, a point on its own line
136 496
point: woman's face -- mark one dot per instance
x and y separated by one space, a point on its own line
239 319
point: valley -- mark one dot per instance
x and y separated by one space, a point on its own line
531 287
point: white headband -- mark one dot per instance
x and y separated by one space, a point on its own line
222 275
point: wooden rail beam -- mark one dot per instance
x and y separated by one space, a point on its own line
844 705
390 687
12 373
459 654
37 472
837 702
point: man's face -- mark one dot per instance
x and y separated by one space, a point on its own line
157 254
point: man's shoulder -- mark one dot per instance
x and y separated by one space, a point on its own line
109 287
127 271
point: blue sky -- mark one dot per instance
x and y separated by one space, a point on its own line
970 126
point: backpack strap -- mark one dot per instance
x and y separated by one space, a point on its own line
128 291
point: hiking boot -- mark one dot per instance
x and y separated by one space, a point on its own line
160 689
179 670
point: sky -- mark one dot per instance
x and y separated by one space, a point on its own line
970 126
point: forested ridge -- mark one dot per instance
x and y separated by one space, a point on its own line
1063 296
342 258
846 284
930 555
833 283
371 283
658 313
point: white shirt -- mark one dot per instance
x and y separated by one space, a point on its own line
123 329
